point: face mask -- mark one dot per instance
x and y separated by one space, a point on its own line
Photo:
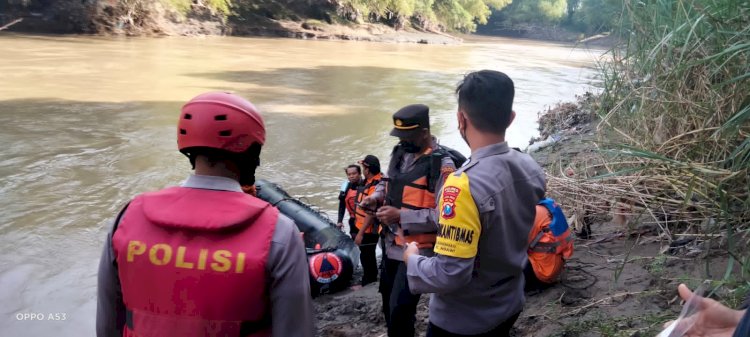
410 147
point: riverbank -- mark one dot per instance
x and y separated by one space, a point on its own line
552 34
160 21
202 22
621 280
307 29
628 262
318 30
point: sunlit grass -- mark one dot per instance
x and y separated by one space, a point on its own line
676 97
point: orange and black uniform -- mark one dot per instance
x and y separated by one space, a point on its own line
549 246
415 172
411 185
347 203
370 237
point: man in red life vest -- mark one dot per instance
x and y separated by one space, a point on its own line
204 258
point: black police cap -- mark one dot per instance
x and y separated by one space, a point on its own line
410 119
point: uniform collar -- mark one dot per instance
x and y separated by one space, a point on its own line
212 183
490 150
378 176
433 145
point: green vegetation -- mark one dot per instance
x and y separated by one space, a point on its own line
677 97
432 15
584 16
675 122
656 266
609 326
440 15
452 15
184 7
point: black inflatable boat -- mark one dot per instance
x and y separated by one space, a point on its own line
331 254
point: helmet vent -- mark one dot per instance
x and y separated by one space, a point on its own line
225 133
188 116
183 131
220 117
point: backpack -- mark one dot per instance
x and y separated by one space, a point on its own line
560 241
437 163
458 158
559 224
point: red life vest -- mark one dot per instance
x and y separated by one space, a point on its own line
363 192
192 262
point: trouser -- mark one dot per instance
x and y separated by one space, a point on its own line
502 330
532 282
399 304
367 256
352 226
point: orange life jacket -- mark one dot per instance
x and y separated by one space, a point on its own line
362 192
415 189
350 200
547 252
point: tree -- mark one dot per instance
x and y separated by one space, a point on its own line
458 15
598 16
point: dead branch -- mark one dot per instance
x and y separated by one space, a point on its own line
11 23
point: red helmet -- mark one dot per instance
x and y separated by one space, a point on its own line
220 120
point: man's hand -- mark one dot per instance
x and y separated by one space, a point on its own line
340 226
368 202
358 238
411 249
712 319
389 215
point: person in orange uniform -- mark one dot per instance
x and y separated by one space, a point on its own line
348 194
366 228
550 244
417 169
205 258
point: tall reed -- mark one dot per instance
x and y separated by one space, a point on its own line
676 117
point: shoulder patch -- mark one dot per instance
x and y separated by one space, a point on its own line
460 227
450 193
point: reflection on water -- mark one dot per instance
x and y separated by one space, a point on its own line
86 123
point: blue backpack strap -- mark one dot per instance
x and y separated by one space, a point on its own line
559 224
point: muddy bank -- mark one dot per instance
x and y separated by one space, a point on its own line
567 132
155 19
319 30
194 26
355 313
551 34
621 280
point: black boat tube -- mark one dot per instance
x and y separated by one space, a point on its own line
331 254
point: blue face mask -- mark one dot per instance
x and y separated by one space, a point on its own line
409 147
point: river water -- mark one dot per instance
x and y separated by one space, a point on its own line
87 122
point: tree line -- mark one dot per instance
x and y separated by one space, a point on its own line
589 16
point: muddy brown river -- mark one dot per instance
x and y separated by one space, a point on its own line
88 122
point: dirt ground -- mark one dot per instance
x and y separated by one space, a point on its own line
616 284
621 280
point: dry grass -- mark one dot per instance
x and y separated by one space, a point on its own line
675 122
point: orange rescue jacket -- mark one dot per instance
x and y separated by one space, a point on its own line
547 252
